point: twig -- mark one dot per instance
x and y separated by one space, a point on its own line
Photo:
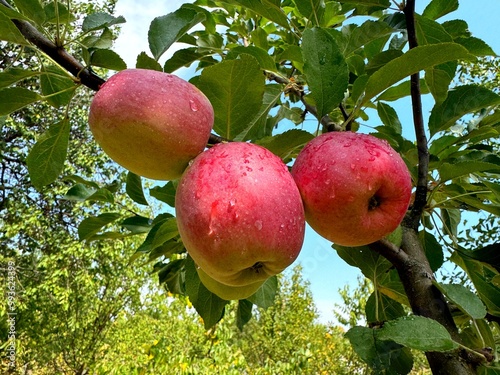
58 54
326 121
413 219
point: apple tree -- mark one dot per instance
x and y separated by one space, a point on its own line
271 69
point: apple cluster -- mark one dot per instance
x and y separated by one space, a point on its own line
241 213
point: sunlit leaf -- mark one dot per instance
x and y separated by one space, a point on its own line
134 188
100 20
419 333
264 296
416 59
464 299
92 225
166 30
439 8
235 88
106 58
325 68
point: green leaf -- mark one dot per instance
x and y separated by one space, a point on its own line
173 276
380 308
476 46
31 9
257 128
183 57
82 192
61 15
433 250
134 188
325 68
382 3
106 58
162 231
166 231
13 75
164 193
417 332
266 9
166 30
489 254
467 301
313 10
235 88
46 159
137 224
439 8
92 225
287 145
265 295
483 279
146 62
375 267
100 20
243 313
402 90
9 32
383 357
438 79
208 305
416 59
265 61
15 98
56 86
355 37
389 117
461 100
449 171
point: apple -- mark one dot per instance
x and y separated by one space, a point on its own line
356 189
151 123
240 217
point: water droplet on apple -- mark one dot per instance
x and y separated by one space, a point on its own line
353 166
258 224
193 105
347 144
328 181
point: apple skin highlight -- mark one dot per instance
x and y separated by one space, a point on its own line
152 123
356 189
240 215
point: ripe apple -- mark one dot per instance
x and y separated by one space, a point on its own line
356 189
240 217
151 123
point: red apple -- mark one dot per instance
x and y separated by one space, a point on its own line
240 217
151 123
356 189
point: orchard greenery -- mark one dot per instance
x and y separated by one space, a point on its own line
278 73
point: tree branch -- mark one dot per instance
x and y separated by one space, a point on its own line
413 218
57 53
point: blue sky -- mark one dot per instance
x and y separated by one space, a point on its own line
325 271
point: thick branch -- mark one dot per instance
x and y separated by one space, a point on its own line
413 219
